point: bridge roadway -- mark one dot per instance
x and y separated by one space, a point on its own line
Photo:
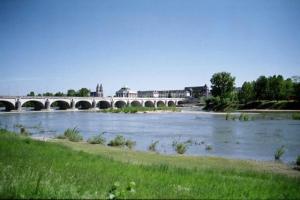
16 103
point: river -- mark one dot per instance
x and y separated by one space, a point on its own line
255 139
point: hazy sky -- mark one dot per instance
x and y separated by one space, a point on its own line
54 45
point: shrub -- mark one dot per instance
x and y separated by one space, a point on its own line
118 141
152 146
24 132
98 139
180 148
298 161
73 134
130 144
208 147
279 152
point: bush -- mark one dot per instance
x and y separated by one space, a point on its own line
118 141
180 148
98 139
208 147
298 161
130 144
152 146
73 134
24 132
279 152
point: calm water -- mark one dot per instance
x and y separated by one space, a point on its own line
257 139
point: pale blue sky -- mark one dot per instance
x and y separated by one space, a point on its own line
54 45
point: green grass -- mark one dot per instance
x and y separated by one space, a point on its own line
64 169
73 135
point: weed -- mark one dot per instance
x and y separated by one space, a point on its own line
98 139
118 141
180 148
152 146
60 136
24 132
279 152
208 147
73 134
130 144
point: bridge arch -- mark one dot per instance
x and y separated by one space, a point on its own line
136 104
161 103
103 104
171 103
149 104
33 104
120 104
7 105
60 105
83 105
180 103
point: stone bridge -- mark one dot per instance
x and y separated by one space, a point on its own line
18 103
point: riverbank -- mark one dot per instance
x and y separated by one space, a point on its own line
63 169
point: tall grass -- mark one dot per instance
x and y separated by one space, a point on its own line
98 139
152 146
279 153
73 134
43 170
120 141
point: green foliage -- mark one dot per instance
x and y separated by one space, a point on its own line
279 153
24 132
31 94
118 141
48 94
71 93
83 92
298 161
130 144
59 94
73 134
98 139
247 92
117 192
208 147
222 85
152 146
179 147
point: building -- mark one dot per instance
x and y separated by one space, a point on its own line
164 94
194 92
99 91
198 91
126 92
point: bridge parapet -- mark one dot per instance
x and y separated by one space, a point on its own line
47 102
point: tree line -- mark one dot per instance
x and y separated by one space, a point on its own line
83 92
224 93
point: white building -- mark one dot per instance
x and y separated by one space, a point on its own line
126 92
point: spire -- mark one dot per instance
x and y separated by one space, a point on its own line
97 88
101 88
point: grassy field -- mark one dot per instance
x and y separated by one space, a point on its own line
63 169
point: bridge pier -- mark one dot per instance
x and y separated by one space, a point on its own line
18 105
47 104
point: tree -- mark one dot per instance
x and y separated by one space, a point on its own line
222 85
247 92
71 93
261 88
59 94
276 87
48 94
31 94
83 92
